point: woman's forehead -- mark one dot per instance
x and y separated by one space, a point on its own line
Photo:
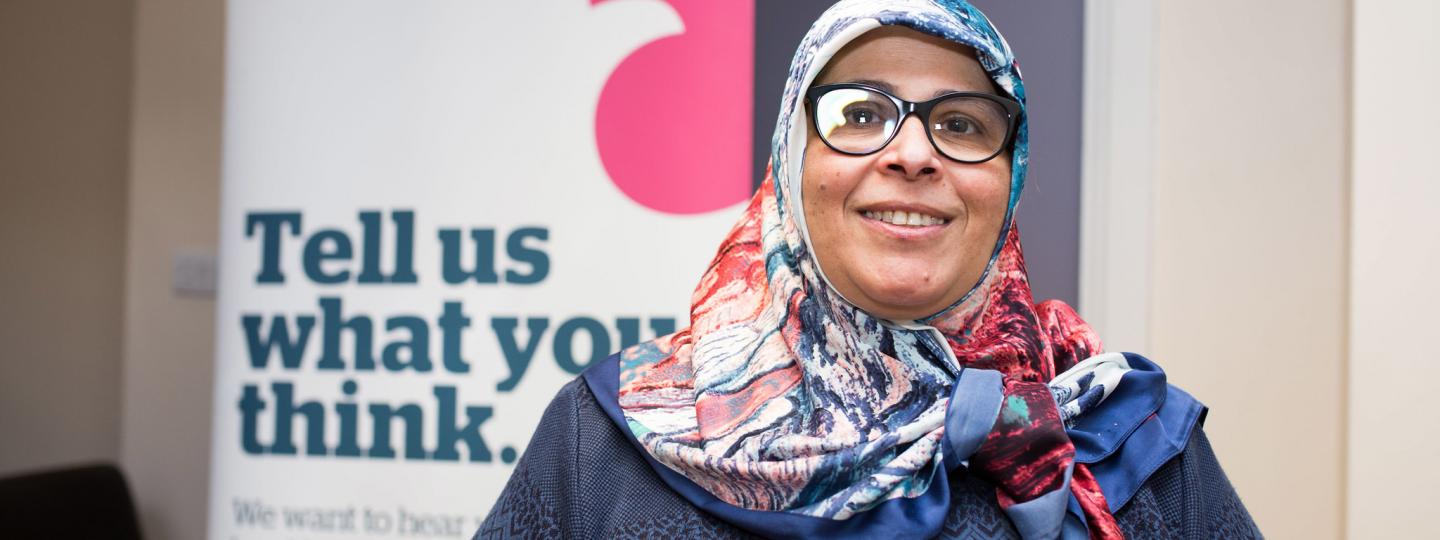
911 64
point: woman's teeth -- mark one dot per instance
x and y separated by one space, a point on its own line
911 219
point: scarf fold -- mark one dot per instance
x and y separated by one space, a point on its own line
781 396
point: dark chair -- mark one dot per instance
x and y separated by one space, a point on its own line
90 502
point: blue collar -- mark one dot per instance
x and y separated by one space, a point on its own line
1139 427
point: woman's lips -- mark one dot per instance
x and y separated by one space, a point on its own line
898 224
903 218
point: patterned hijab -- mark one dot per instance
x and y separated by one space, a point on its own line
784 399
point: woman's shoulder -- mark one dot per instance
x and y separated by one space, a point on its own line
581 477
1188 497
1146 447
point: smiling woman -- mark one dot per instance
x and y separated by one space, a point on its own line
864 358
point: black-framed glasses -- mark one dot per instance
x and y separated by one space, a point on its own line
855 119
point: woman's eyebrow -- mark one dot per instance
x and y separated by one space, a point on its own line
890 89
882 85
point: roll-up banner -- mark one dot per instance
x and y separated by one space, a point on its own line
437 213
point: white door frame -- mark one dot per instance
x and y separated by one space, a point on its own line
1117 171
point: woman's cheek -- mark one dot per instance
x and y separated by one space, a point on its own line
986 194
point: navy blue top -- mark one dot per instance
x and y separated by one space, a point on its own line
583 476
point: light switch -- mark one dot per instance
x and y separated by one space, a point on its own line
193 273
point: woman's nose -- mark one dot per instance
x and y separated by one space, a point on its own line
910 152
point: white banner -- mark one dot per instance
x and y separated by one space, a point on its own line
421 244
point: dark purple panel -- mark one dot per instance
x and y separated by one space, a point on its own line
779 27
1048 38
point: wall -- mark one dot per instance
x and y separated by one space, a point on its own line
63 151
174 201
1394 438
1249 258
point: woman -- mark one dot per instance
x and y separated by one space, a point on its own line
864 359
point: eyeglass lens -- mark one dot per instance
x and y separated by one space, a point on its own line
861 121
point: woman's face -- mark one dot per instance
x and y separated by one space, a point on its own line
903 272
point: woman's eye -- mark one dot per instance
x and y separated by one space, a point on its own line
860 116
959 125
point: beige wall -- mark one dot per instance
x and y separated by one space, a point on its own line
64 101
174 201
1394 441
1249 254
103 361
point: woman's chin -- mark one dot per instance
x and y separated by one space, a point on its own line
901 301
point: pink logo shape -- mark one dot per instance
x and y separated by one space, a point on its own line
673 125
